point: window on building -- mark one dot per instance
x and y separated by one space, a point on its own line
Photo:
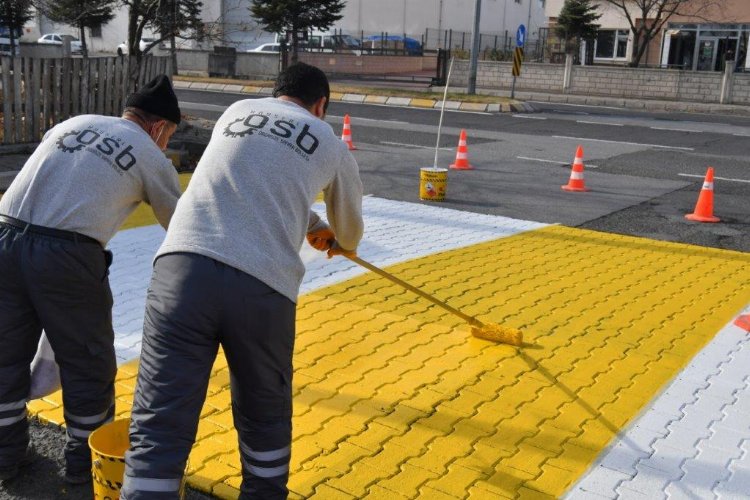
96 31
611 44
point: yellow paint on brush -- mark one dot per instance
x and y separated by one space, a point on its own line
498 333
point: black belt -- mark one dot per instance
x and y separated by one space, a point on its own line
46 231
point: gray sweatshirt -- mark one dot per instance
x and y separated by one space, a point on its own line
248 203
88 174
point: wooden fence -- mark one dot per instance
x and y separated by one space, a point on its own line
40 93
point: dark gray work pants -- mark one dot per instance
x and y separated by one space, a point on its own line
62 287
195 304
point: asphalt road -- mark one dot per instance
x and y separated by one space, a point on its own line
644 169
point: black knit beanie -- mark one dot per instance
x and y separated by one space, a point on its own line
157 98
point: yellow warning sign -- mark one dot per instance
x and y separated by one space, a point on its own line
517 60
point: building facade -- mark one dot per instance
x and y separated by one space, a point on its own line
701 42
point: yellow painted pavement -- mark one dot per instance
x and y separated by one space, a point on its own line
394 399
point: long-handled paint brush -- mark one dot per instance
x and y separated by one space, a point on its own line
486 331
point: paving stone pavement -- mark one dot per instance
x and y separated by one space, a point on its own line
394 399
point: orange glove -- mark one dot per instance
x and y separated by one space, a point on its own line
337 250
321 239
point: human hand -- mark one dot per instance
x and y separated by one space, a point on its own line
321 239
338 250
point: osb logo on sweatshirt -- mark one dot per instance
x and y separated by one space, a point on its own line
97 142
288 132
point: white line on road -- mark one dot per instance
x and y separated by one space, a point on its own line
576 105
601 123
550 161
622 142
741 135
715 178
412 145
674 129
202 106
530 117
358 119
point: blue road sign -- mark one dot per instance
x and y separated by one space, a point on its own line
521 36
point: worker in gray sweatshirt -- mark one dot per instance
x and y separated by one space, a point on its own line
88 174
228 274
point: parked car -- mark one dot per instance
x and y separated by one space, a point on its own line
268 48
122 49
57 39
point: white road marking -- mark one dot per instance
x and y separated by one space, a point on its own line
576 105
202 106
741 135
715 178
622 142
530 117
601 123
552 161
674 129
358 119
390 143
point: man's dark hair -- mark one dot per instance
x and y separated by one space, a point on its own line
304 82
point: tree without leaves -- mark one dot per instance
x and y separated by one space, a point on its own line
577 21
165 17
293 16
79 13
13 15
647 18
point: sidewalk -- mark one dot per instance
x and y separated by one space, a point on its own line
394 399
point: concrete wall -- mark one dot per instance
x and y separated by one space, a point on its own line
194 62
41 50
617 82
368 65
257 65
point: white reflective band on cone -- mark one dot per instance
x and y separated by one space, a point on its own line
4 422
462 143
578 161
269 471
151 484
461 156
708 185
576 175
16 405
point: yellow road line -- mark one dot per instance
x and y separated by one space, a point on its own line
394 398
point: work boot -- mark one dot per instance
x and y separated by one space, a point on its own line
77 477
10 472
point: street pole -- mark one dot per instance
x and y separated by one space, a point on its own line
474 49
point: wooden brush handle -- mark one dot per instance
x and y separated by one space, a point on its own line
471 320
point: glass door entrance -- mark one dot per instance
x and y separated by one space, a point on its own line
707 54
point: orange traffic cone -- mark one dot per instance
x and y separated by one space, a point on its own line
462 154
743 322
346 135
704 209
576 182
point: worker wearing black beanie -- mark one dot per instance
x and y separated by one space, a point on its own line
88 174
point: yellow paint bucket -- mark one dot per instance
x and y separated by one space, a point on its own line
108 446
432 183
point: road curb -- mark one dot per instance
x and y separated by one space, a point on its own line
357 98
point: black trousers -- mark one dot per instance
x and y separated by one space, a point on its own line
62 287
195 304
